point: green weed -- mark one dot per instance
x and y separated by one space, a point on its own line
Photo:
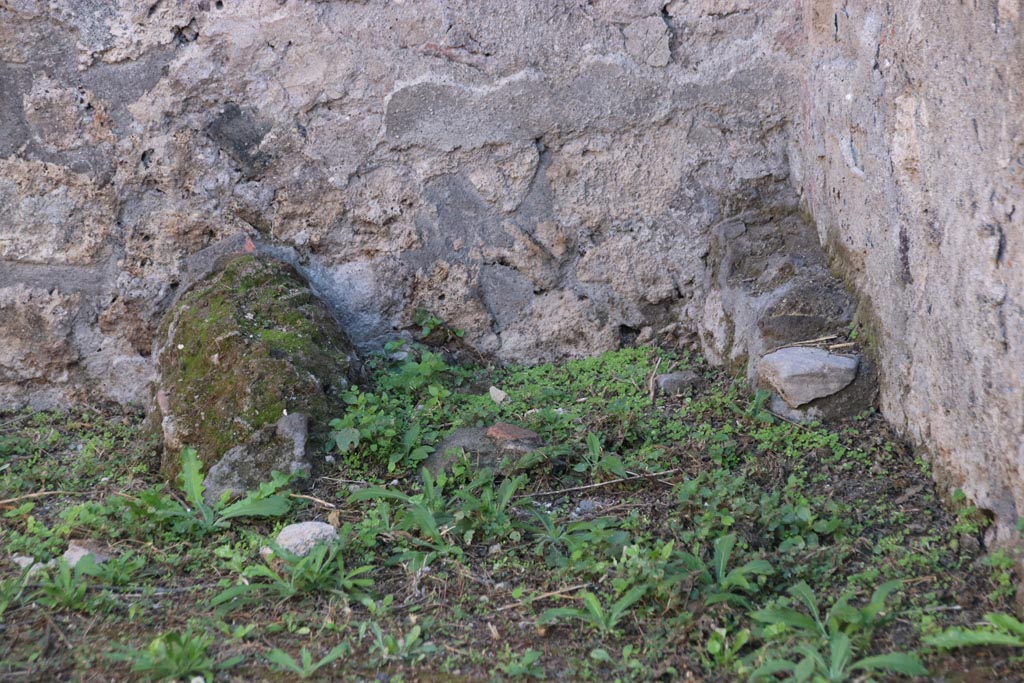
522 666
174 656
828 643
409 647
999 630
605 620
322 571
201 518
304 667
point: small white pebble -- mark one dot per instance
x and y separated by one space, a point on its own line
181 346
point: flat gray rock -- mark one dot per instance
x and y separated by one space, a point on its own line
300 539
25 562
803 374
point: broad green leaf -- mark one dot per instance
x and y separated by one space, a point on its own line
737 580
230 594
902 663
336 652
346 439
785 615
723 550
803 592
733 599
229 662
842 613
630 598
841 651
593 605
426 523
284 660
192 478
1007 623
556 613
811 653
804 670
613 464
958 637
759 567
274 506
770 668
376 492
262 571
879 597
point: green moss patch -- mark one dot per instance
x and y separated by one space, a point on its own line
243 347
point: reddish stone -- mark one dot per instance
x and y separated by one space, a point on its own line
503 431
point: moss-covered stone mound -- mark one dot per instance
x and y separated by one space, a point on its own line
243 349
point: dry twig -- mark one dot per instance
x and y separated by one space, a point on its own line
43 494
318 501
549 594
653 475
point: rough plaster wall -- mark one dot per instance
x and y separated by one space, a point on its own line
911 160
542 173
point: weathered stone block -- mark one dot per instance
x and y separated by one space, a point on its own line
36 326
52 214
241 354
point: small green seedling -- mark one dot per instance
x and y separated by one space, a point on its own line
305 667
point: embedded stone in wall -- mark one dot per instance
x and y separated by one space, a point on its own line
647 41
35 339
52 214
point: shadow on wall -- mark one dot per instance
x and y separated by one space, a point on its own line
775 314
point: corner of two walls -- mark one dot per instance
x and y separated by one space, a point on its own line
910 158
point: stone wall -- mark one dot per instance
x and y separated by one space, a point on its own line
910 157
553 176
541 173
